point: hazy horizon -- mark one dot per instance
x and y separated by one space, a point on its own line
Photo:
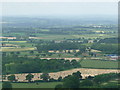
62 9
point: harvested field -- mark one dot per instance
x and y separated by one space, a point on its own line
14 41
55 75
17 49
36 38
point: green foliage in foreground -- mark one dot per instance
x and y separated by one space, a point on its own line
35 85
105 77
98 81
6 86
71 82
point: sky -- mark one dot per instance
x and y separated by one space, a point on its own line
59 0
60 9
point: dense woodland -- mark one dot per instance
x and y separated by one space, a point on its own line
61 46
16 64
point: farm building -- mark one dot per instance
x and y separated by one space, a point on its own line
90 41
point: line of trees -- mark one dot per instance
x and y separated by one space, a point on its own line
60 46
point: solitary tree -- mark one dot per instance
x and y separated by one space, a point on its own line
29 77
45 77
77 74
90 77
11 78
60 78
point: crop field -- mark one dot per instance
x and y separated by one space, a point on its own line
17 49
14 41
99 64
34 85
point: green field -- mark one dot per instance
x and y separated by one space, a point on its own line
19 43
99 64
53 84
34 85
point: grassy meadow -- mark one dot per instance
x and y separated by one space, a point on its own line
86 63
34 85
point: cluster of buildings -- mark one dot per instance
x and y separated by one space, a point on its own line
113 57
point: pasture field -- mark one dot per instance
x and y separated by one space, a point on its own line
25 44
93 36
73 36
13 34
55 37
86 63
34 85
52 85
